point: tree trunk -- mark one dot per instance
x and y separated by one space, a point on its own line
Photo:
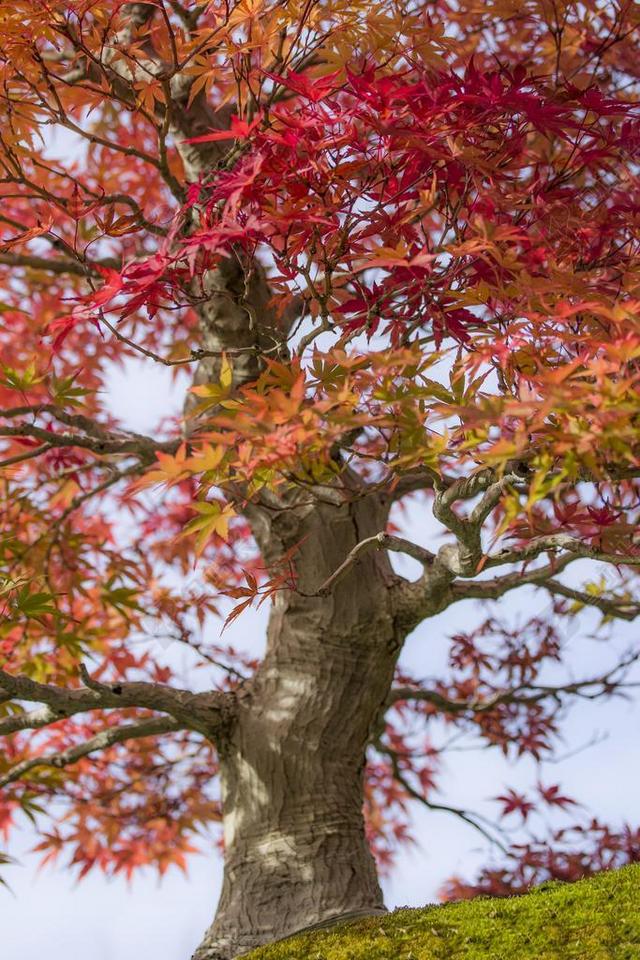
292 764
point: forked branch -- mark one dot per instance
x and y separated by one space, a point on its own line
84 433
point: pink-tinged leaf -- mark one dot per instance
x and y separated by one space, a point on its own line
238 130
513 802
314 89
552 796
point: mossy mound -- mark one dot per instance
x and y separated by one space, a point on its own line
596 919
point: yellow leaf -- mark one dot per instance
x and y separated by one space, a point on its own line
65 494
213 519
226 373
213 393
170 469
207 459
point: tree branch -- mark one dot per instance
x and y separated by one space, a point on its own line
21 457
204 712
464 557
498 586
473 820
94 436
415 480
523 694
381 541
33 720
50 264
559 541
106 738
616 607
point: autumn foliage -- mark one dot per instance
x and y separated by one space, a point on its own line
446 202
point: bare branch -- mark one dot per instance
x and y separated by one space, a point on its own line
588 689
467 488
77 420
194 356
77 440
33 720
464 557
115 477
21 457
94 436
491 498
618 607
473 820
50 264
498 586
415 480
106 738
381 541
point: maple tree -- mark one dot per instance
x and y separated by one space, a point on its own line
392 250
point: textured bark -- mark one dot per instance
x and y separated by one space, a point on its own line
292 763
233 303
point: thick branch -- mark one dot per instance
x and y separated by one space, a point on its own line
617 607
205 712
498 586
33 720
463 558
50 264
415 480
90 436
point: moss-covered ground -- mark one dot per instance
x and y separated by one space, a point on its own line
595 919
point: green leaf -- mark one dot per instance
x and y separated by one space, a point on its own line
21 380
64 393
30 808
458 383
122 598
34 605
434 389
7 585
10 308
214 393
5 861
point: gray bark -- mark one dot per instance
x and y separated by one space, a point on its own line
292 762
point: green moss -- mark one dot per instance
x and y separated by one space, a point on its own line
595 919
